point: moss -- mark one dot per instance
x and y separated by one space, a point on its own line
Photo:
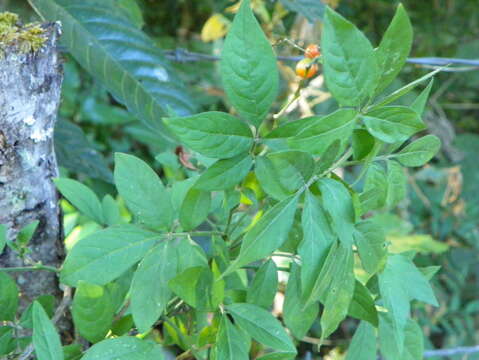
27 38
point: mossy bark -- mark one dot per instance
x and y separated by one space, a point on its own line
30 85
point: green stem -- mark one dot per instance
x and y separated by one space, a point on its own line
30 268
198 233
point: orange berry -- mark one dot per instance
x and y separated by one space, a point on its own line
306 68
312 51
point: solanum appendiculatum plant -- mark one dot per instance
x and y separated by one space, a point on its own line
267 194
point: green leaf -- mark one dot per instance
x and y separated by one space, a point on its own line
338 203
267 235
104 255
124 348
413 347
397 182
7 341
362 305
334 287
421 243
393 123
198 288
143 191
213 134
74 152
225 174
328 158
394 48
375 190
121 56
350 67
231 343
190 254
323 131
400 282
363 344
419 152
8 297
195 208
317 239
110 210
282 173
261 326
149 298
26 233
312 10
48 304
3 237
296 316
72 352
363 144
263 288
420 102
46 340
82 197
92 311
404 90
371 243
248 67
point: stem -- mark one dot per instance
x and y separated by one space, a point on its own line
30 268
198 233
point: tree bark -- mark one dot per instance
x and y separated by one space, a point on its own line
30 85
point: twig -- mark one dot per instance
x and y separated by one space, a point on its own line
461 350
183 55
29 268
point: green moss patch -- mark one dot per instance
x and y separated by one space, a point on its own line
27 38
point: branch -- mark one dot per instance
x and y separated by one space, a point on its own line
461 350
184 56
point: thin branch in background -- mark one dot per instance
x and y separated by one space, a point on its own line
462 350
183 56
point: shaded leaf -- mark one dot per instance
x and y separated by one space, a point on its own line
371 243
362 305
8 297
141 78
195 208
124 348
263 288
143 191
231 342
82 197
92 311
363 344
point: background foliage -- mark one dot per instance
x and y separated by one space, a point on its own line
442 197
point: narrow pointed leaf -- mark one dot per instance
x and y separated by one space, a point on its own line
338 203
263 288
268 234
46 340
261 326
248 67
213 134
317 239
8 297
124 348
149 288
231 342
394 48
420 102
296 316
362 305
364 343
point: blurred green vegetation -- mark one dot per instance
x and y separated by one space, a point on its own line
443 197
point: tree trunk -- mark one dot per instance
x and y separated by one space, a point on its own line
30 85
